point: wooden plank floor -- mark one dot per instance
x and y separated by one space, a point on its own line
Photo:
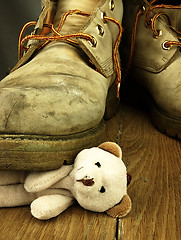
153 160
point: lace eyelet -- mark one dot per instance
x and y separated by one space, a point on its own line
164 47
159 33
103 15
93 43
111 5
100 30
143 8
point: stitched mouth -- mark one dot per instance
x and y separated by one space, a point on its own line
79 168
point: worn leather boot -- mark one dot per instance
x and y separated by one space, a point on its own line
54 101
151 41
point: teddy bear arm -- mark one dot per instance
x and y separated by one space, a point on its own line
49 206
39 181
121 209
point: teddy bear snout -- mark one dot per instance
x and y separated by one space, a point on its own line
87 182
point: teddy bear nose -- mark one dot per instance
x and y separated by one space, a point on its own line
87 182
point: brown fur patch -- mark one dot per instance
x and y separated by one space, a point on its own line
111 147
121 209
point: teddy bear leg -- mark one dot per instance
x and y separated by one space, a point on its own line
15 195
49 206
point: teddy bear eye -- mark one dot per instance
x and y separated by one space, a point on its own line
102 190
98 164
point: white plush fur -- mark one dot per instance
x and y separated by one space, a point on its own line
111 175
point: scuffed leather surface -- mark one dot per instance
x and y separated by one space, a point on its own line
153 68
101 55
56 93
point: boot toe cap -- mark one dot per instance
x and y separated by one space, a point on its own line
56 110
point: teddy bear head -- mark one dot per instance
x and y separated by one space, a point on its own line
100 177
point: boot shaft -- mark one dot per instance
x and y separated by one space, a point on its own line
141 36
73 23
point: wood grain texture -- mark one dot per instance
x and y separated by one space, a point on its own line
153 160
75 223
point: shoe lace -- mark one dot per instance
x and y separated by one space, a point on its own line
71 38
166 45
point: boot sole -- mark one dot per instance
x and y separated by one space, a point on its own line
38 153
164 122
35 153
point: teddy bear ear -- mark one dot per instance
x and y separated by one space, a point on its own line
111 147
121 209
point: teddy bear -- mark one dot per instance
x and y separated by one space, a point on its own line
97 181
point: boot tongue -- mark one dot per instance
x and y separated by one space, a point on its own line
74 22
